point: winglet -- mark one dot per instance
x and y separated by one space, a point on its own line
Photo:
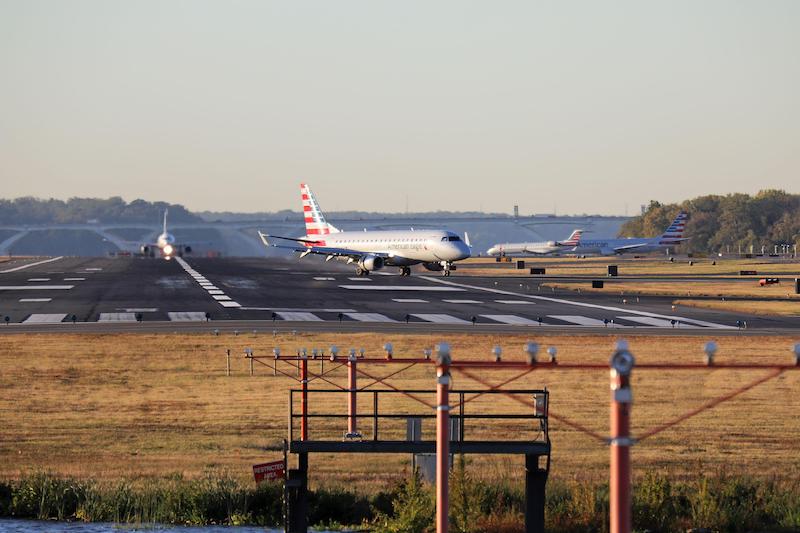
466 239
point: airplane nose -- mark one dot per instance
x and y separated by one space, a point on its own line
491 251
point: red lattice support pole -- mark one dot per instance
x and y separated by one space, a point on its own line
620 476
304 398
352 399
442 435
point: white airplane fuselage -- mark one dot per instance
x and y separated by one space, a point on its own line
520 249
403 248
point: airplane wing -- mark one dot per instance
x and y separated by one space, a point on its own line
629 247
310 248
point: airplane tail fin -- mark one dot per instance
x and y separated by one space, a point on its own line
315 220
165 219
674 233
574 239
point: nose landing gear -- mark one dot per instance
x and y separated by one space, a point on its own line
405 271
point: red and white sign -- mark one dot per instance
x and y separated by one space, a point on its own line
269 471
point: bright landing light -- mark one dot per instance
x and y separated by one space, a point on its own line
168 250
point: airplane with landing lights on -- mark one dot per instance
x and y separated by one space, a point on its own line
165 244
436 250
526 249
672 237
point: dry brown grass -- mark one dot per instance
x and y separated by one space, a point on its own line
596 266
756 307
132 405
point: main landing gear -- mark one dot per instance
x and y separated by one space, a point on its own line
362 271
446 268
405 271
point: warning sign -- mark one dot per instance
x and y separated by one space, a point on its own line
269 471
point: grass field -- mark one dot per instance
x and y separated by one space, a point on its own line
717 289
597 266
139 405
755 307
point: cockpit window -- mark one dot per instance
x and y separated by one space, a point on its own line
453 238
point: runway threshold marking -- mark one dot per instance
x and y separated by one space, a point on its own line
117 317
45 318
187 316
513 320
613 309
298 317
657 322
29 265
438 318
369 317
584 321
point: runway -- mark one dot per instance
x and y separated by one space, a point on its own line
199 294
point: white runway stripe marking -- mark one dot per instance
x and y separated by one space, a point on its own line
583 320
514 302
462 301
35 287
322 278
29 265
441 319
579 304
298 317
658 322
359 279
44 318
74 279
400 288
39 279
94 269
138 309
24 300
409 300
512 319
187 316
218 295
370 317
117 317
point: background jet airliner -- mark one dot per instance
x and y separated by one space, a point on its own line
436 250
165 244
523 249
672 237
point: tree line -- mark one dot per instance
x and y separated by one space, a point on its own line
726 223
29 210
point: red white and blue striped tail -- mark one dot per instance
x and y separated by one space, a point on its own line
674 233
315 220
574 239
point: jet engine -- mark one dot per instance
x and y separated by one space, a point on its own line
371 262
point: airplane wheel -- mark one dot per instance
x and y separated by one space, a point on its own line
405 271
360 271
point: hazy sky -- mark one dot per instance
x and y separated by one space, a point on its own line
228 105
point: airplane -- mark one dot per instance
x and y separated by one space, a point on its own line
436 250
524 249
165 244
671 237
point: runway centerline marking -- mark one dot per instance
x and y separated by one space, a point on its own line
323 278
580 304
35 287
39 279
300 310
218 295
74 279
462 301
32 300
400 288
409 300
515 302
359 279
23 267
